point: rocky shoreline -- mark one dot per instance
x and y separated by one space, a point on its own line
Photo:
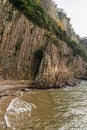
14 88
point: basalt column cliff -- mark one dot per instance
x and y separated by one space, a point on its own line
36 46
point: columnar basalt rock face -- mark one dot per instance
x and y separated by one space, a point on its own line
51 8
67 26
53 69
20 39
59 67
60 16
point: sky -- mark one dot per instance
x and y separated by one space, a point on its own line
77 11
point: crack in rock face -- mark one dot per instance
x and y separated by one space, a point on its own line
18 113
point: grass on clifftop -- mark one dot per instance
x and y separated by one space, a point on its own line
34 11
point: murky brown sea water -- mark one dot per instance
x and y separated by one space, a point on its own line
55 109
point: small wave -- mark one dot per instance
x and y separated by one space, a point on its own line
17 111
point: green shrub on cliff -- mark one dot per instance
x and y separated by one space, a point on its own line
76 47
34 11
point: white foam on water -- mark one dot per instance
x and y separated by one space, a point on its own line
16 111
7 121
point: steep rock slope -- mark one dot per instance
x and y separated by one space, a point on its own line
83 41
60 16
59 67
28 51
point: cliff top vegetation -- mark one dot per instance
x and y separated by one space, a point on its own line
34 11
